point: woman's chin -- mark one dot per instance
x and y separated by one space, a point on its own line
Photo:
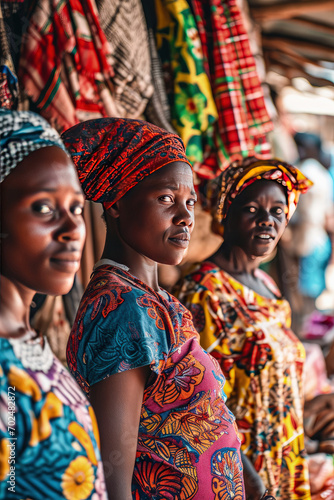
56 287
263 252
173 260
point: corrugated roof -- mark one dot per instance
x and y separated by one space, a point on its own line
297 38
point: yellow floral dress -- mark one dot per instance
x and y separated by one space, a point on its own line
262 361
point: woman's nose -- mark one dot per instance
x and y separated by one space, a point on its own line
72 229
184 217
266 219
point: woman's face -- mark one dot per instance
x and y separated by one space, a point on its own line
42 222
257 218
156 218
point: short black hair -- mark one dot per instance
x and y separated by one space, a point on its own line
306 139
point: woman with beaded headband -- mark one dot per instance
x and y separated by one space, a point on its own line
158 396
48 431
244 322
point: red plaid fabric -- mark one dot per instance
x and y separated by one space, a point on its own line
65 62
243 119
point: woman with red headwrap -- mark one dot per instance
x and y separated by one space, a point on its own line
245 323
158 396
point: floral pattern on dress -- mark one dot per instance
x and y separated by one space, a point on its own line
262 361
56 436
225 464
184 419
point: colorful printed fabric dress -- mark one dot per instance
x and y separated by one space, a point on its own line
48 431
187 442
262 361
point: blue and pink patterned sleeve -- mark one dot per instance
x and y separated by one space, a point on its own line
132 335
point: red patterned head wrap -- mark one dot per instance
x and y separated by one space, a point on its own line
113 154
241 173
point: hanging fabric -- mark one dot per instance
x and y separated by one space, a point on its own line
65 64
243 120
123 23
9 94
158 109
193 110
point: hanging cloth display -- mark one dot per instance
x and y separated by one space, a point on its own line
9 95
243 120
65 63
158 109
193 110
123 23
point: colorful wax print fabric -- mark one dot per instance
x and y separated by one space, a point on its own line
9 93
193 110
48 431
65 63
8 88
243 120
187 443
262 361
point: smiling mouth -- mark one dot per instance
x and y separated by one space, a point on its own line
265 237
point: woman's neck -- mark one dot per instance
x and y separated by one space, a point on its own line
234 260
15 300
140 266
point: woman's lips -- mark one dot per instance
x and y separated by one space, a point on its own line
68 262
180 240
264 237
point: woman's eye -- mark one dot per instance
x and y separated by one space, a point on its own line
192 202
251 210
278 210
42 208
166 197
77 210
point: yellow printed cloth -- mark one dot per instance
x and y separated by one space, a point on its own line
262 361
193 110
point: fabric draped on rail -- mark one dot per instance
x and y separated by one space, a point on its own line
193 110
123 23
243 120
65 64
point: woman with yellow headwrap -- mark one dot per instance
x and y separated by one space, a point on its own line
244 322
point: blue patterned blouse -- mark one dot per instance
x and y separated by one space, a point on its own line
188 446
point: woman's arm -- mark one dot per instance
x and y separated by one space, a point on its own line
319 403
254 486
117 402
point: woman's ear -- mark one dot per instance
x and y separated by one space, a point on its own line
112 211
